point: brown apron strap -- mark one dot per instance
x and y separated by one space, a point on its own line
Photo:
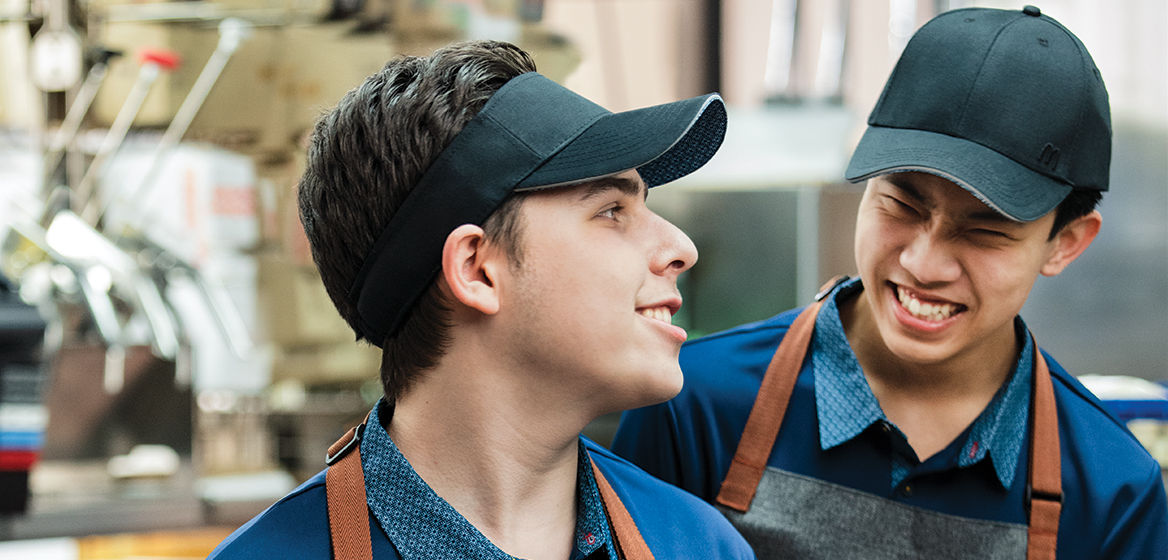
349 518
1044 482
766 416
1044 486
630 545
344 484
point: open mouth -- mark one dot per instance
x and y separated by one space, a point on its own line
926 309
661 313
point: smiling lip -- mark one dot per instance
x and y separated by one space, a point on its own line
662 314
923 312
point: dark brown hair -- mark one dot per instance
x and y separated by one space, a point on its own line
367 154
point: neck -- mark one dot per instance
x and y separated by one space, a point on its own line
506 464
932 403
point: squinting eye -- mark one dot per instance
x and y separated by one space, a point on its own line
991 233
901 205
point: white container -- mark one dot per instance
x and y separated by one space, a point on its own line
200 202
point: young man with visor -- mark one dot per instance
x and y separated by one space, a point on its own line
487 229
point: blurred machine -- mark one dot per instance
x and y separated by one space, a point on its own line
23 414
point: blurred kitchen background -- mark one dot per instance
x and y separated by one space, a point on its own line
170 363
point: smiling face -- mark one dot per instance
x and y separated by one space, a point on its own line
944 274
588 310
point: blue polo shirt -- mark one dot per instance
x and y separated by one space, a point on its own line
408 520
1114 503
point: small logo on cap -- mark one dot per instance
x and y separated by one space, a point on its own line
1049 157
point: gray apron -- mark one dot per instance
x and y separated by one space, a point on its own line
788 515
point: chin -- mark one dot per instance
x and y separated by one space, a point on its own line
917 352
666 387
652 389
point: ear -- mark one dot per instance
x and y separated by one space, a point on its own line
1071 241
468 271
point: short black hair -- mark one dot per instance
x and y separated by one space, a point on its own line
1076 205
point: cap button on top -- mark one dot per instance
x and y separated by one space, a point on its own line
1032 11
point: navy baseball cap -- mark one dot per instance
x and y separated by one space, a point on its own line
531 134
1007 104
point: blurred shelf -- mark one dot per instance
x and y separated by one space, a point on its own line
79 499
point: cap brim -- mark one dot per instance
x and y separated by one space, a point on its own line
1001 183
663 142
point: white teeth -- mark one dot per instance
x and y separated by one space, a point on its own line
658 313
925 311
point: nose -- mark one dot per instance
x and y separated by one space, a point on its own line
929 259
675 252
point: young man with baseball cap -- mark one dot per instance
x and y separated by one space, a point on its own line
487 229
908 413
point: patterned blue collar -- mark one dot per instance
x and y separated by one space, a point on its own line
421 524
846 405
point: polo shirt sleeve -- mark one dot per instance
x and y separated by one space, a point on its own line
1140 527
1114 504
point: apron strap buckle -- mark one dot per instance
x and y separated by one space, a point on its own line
831 285
1047 496
343 446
